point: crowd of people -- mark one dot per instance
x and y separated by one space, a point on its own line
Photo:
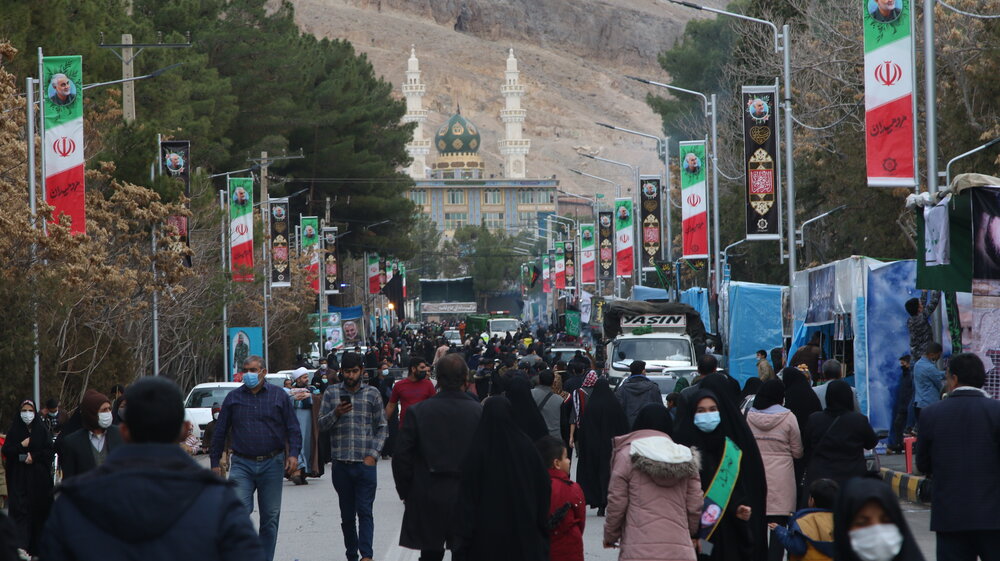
719 472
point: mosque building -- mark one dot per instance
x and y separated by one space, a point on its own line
455 188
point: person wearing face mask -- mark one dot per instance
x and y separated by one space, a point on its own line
410 390
259 419
28 455
302 402
88 447
733 526
54 417
868 524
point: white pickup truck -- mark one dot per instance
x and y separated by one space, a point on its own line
666 336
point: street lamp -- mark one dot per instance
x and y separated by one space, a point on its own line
662 144
618 187
947 169
784 36
711 113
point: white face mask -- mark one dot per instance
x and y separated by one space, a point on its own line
880 542
104 419
27 417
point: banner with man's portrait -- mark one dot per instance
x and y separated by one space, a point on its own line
174 163
569 249
62 139
605 246
650 219
694 200
331 276
310 244
760 149
243 342
588 256
281 272
241 228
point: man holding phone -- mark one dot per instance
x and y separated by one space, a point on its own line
353 414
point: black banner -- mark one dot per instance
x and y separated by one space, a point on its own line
651 218
760 146
281 273
569 257
174 163
331 278
605 246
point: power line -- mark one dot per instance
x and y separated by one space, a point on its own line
970 14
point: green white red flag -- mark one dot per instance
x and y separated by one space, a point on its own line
624 238
310 245
694 200
62 138
588 254
241 228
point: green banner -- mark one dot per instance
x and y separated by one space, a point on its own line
721 490
573 323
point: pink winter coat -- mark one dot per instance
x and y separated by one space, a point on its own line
654 498
779 441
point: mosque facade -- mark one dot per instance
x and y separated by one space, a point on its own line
453 187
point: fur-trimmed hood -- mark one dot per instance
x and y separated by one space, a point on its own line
663 460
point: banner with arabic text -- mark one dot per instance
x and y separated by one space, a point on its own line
241 228
331 277
605 246
650 219
588 257
281 273
760 155
62 139
694 200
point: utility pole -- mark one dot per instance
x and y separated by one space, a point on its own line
128 56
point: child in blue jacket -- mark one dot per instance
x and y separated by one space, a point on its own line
809 534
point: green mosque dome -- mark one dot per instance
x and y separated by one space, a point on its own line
458 135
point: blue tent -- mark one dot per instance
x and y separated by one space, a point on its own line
754 324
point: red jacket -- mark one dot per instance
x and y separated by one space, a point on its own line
566 540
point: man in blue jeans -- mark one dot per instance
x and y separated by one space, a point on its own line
261 423
353 414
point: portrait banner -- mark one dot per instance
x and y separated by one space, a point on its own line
694 199
174 163
822 292
588 257
890 105
546 279
241 228
310 245
760 155
373 284
624 238
331 278
650 219
243 342
281 272
569 249
985 243
605 246
62 139
560 265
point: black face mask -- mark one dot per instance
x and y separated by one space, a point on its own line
420 374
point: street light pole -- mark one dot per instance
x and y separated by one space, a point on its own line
635 238
947 169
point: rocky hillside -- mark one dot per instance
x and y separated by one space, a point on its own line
572 54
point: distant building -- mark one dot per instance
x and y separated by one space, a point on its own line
455 190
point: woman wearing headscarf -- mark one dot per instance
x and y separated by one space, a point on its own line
802 401
523 408
777 434
603 420
28 454
578 403
493 521
733 526
836 438
868 524
750 388
654 497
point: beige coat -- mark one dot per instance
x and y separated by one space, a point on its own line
779 441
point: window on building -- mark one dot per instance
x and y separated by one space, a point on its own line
526 196
547 196
418 196
493 197
527 219
493 220
455 220
456 197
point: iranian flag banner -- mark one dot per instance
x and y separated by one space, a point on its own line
62 138
560 265
890 106
546 280
624 238
309 244
374 286
241 228
694 207
588 255
402 271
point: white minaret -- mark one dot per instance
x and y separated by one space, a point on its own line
414 91
513 147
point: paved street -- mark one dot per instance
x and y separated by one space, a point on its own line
310 524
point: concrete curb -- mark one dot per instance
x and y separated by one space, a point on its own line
912 488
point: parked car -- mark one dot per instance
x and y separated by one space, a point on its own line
565 354
453 336
198 405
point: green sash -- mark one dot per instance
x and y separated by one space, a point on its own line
721 490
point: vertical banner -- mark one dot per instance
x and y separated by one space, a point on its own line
546 279
569 251
605 246
381 273
62 139
175 163
588 257
624 238
573 323
281 273
331 279
650 219
241 228
890 106
309 244
373 284
243 342
694 207
760 153
560 265
402 272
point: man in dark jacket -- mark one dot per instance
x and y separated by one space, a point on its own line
166 507
637 391
86 448
427 460
958 444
